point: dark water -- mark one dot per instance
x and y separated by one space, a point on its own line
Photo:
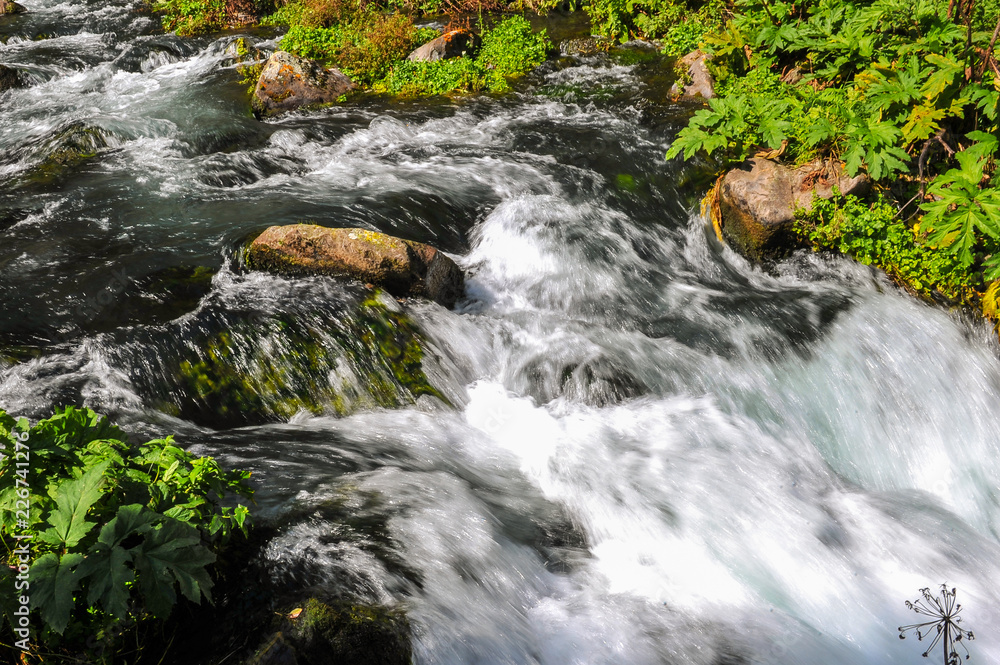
646 451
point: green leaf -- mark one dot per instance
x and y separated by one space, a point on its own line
108 578
172 553
73 499
942 77
53 582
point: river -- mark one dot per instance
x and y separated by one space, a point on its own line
654 452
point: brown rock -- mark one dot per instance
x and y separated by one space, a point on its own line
10 78
697 80
7 7
757 201
454 44
402 267
288 82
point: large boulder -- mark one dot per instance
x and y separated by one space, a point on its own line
402 267
453 44
7 7
10 78
758 199
695 79
289 82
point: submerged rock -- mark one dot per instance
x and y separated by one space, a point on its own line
68 149
402 267
10 78
7 7
454 44
289 82
268 368
339 634
585 46
696 80
757 201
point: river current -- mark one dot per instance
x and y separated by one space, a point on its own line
655 452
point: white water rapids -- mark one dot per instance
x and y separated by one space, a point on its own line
658 453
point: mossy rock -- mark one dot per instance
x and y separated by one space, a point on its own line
68 150
10 78
288 82
269 369
402 267
338 634
7 7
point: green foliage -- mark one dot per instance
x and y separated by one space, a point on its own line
364 47
117 528
509 50
905 90
964 215
415 79
191 17
679 24
874 235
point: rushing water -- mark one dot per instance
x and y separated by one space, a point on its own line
655 453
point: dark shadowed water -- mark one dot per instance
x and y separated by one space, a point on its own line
654 452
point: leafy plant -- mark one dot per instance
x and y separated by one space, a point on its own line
963 214
364 47
191 17
509 50
679 23
118 529
873 234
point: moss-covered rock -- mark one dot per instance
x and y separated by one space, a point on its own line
452 44
8 7
694 79
10 78
288 82
402 267
337 634
269 369
67 150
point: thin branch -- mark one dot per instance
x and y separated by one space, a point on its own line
989 52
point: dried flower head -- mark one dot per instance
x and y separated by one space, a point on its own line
944 624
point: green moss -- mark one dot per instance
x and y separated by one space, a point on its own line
270 370
349 633
68 150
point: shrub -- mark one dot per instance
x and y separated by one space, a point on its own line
364 47
680 24
116 529
873 234
191 17
509 50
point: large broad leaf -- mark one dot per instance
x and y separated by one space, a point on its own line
108 578
106 567
172 553
73 500
53 582
942 77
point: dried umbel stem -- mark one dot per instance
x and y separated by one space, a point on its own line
944 625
